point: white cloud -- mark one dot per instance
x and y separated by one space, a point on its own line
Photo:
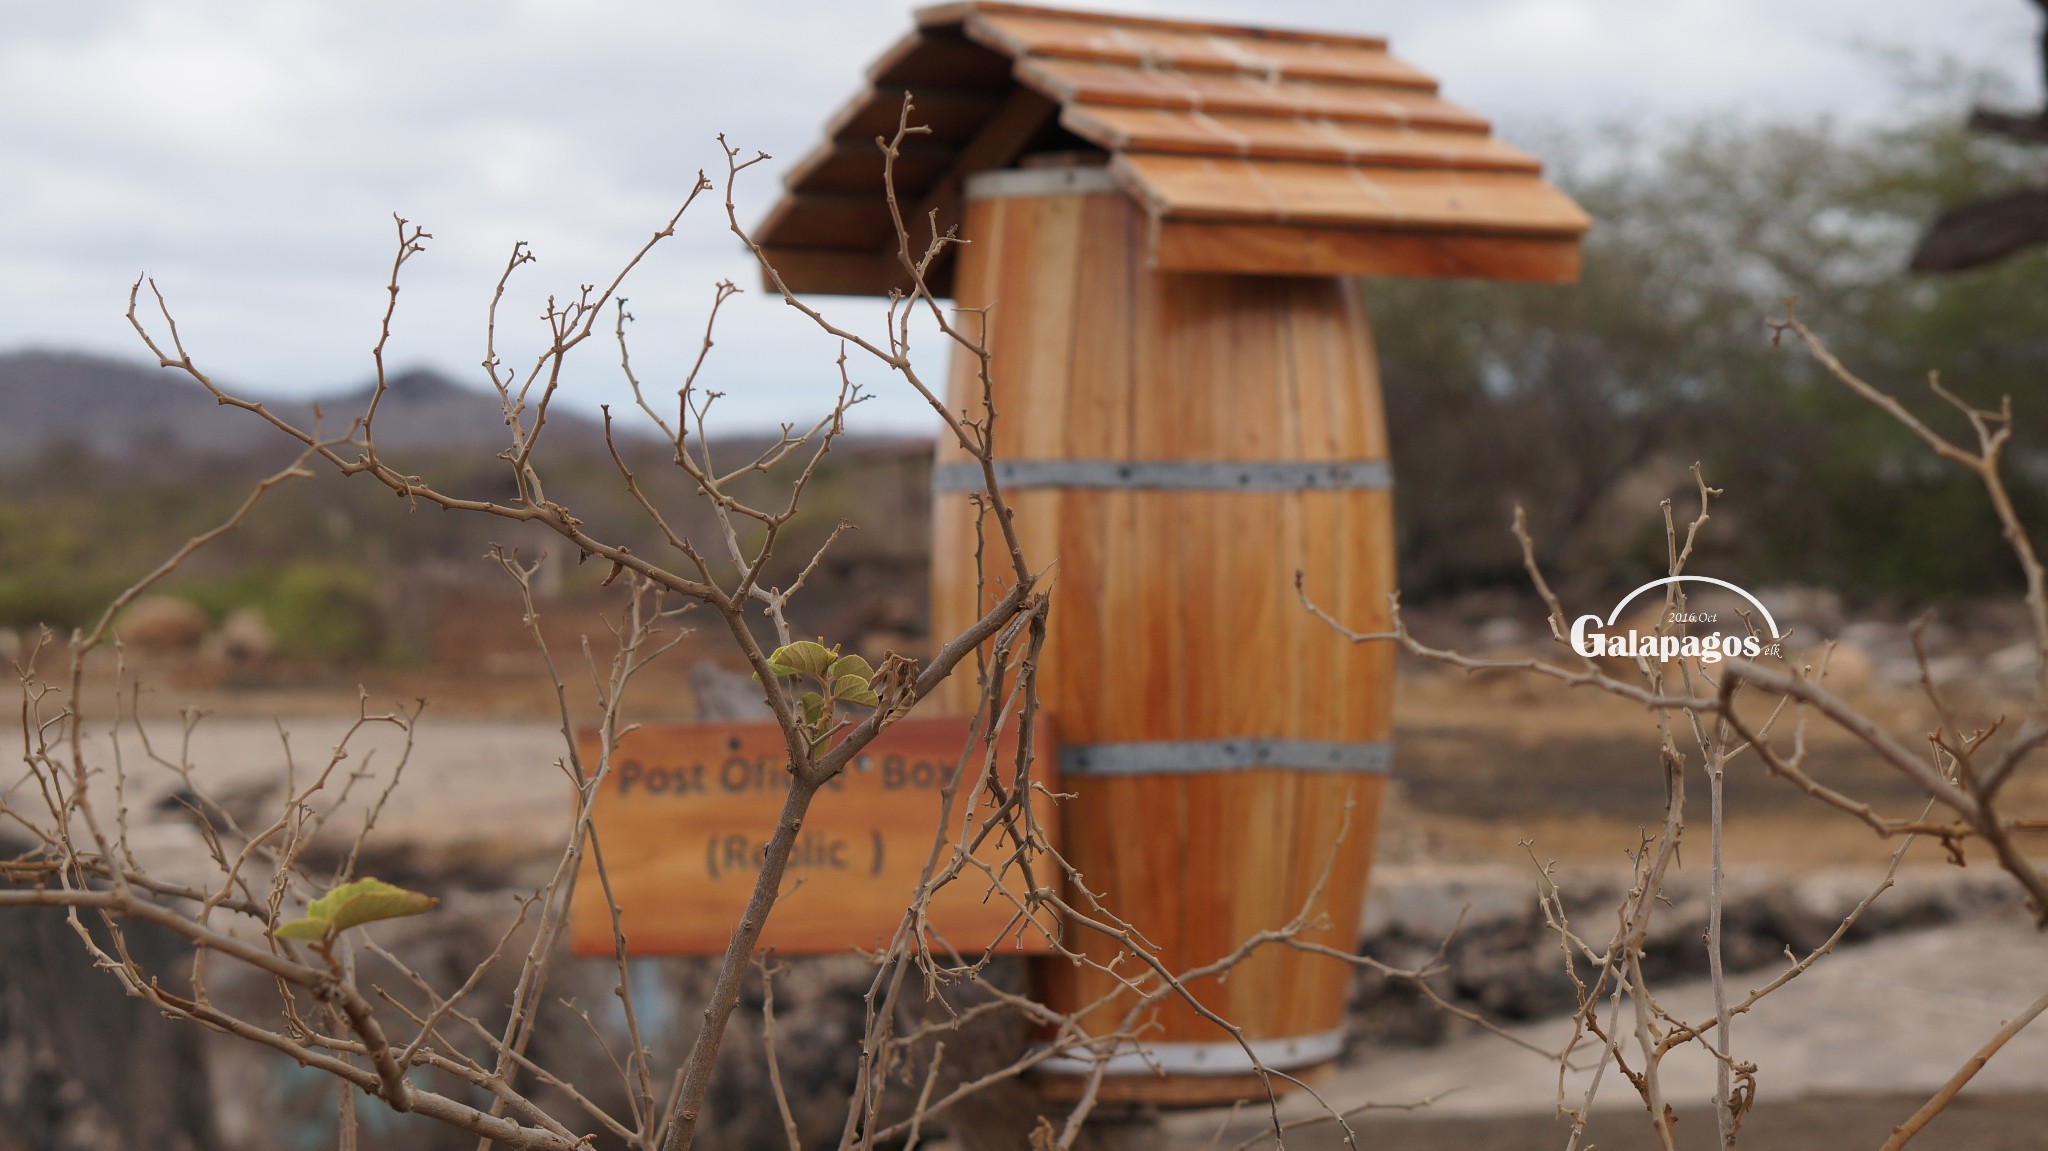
250 155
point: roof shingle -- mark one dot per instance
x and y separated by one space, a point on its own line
1254 150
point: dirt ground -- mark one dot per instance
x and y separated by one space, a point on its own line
1488 771
1482 763
1973 1123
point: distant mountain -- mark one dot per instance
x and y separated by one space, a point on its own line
105 406
122 410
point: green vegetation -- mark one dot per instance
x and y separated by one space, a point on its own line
325 610
341 571
1587 402
74 532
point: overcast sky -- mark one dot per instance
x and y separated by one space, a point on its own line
250 155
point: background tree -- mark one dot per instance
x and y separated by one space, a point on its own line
1573 399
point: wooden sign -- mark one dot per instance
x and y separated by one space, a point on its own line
687 810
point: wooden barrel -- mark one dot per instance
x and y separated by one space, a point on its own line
1177 446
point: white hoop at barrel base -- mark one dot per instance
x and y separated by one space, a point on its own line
1208 1058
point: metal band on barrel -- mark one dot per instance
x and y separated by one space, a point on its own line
1187 757
1167 475
1208 1058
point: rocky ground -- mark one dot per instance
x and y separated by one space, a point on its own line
1862 1039
1493 776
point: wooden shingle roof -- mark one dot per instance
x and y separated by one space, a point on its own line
1253 150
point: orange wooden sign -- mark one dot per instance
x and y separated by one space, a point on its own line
687 810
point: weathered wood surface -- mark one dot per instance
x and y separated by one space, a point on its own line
1174 614
1241 190
1096 82
1325 134
1195 46
1123 128
1287 250
684 816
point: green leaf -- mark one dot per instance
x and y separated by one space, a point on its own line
850 665
364 901
804 657
303 929
855 689
814 707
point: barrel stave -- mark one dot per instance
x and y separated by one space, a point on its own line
1175 616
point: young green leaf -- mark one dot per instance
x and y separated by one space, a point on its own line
804 657
854 689
369 900
814 707
850 665
351 904
308 929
